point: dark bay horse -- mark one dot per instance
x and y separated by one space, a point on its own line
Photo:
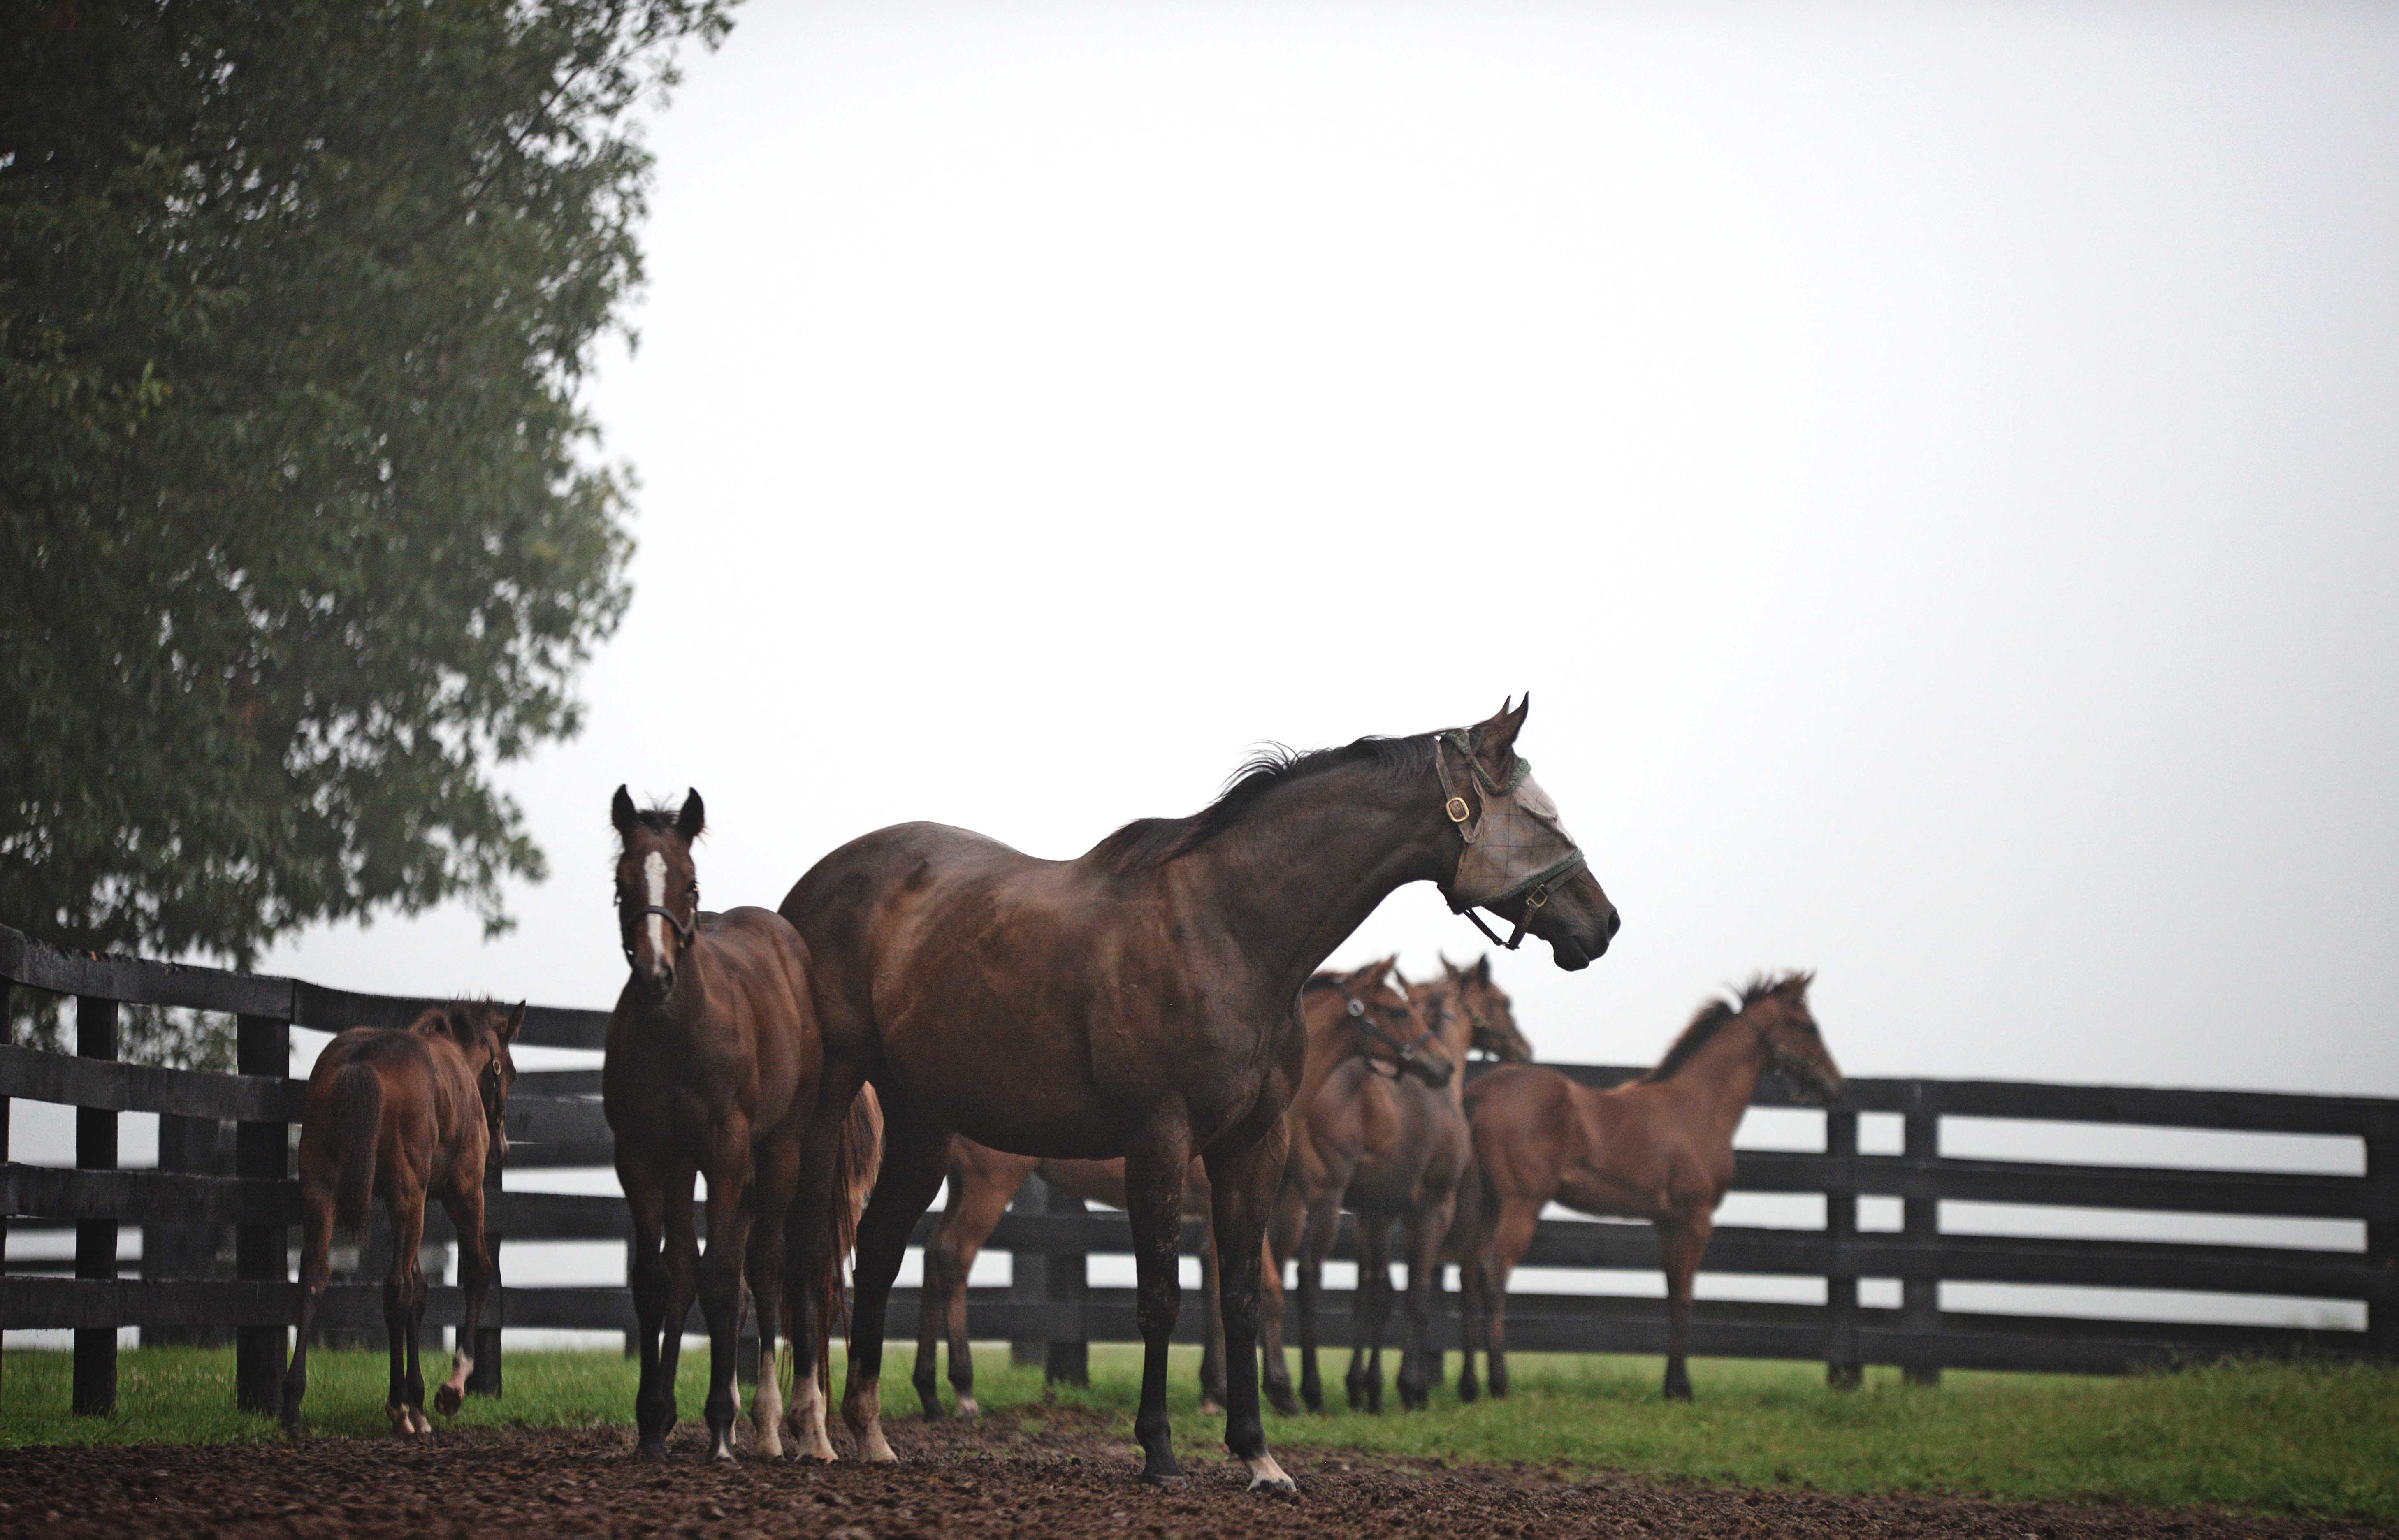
1411 1178
1142 1001
1658 1149
714 1066
983 1182
408 1113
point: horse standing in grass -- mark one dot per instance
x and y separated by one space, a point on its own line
714 1067
983 1182
408 1113
1411 1179
1142 1001
1658 1149
1340 1112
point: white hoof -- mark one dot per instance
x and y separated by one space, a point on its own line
807 1420
1267 1476
967 1406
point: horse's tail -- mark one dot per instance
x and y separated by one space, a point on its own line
358 1128
858 1155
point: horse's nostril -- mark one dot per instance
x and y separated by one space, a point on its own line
1615 921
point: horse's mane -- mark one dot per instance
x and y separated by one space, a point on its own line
1719 1013
1147 843
463 1020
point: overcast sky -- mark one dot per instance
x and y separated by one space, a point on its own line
1936 469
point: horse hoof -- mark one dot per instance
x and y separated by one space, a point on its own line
1211 1407
968 1408
447 1401
1267 1477
1283 1401
652 1447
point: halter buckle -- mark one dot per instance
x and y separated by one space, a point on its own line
1456 809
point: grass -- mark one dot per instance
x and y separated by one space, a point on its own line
2311 1439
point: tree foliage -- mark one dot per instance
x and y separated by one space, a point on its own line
304 528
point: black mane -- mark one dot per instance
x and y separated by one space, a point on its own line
1147 843
1716 1015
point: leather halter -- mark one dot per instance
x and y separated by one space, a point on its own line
682 928
1535 887
1366 1028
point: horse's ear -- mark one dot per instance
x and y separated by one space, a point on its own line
1494 741
515 1022
694 817
621 811
1482 970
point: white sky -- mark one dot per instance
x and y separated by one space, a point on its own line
1936 468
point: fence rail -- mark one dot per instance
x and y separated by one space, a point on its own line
555 1121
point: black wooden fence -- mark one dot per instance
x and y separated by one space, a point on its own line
1050 1310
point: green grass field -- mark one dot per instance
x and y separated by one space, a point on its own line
2308 1439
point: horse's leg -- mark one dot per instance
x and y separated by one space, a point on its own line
403 1310
776 1173
967 1220
720 1282
915 1157
1211 1334
646 1198
465 1203
1281 1241
1470 1317
315 1270
1509 1240
1364 1380
1316 1244
1681 1244
810 1235
680 1257
1423 1229
1155 1168
1243 1184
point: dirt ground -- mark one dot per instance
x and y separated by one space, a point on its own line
1075 1478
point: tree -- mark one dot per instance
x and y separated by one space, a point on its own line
304 529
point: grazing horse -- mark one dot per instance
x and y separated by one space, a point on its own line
713 1069
983 1182
1143 1000
1658 1149
408 1113
1412 1178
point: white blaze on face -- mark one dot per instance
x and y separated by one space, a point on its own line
653 870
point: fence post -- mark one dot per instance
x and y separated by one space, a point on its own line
1028 1273
1920 1298
1842 1371
95 1346
262 1153
7 1034
1067 1280
2382 1235
485 1379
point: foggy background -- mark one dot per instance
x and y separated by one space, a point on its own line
1933 467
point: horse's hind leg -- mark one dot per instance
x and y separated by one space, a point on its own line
1419 1365
1212 1350
1509 1240
776 1176
977 1201
1155 1168
1316 1244
403 1312
915 1157
1364 1380
1282 1240
315 1270
465 1202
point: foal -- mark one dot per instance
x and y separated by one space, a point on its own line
713 1069
1658 1149
404 1112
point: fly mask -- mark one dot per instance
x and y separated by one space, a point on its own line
1516 846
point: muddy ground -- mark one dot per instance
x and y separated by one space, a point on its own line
1075 1478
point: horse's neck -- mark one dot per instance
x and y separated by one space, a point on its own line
1331 1038
1720 1079
1456 1035
1296 876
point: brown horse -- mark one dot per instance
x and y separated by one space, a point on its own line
1412 1178
1142 1000
714 1067
408 1113
1658 1149
983 1182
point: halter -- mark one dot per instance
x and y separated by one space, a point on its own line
682 928
1356 1008
1519 842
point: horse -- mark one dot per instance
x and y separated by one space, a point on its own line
983 1182
714 1067
1142 1000
1412 1178
1660 1149
408 1113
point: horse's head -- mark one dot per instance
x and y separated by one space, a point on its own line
658 887
1390 1030
1795 1045
1516 858
483 1031
1487 1007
